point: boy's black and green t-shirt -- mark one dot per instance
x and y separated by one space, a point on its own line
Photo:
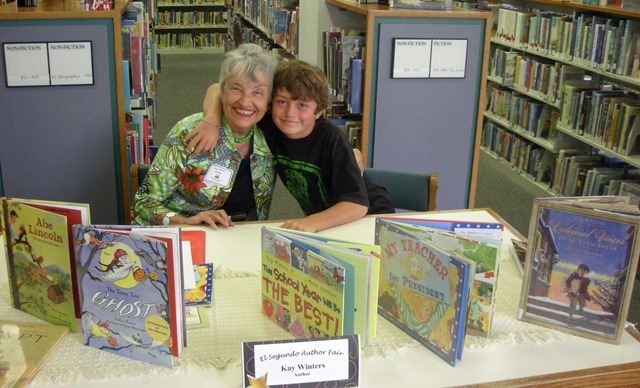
318 170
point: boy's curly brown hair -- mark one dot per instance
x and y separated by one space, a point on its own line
304 81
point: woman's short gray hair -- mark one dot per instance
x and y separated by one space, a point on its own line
247 59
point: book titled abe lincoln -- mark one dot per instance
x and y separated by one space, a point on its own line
40 260
579 269
131 291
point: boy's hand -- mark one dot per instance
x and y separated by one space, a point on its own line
301 224
202 138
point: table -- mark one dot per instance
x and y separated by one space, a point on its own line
509 359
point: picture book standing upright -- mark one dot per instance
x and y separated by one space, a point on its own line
581 261
477 241
131 291
424 290
314 286
40 258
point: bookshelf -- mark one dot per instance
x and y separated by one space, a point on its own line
191 27
271 24
591 125
436 121
68 143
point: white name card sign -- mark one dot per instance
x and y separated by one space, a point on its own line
330 362
48 64
429 58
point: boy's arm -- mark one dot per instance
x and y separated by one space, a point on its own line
205 135
338 214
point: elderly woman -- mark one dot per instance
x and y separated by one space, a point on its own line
235 180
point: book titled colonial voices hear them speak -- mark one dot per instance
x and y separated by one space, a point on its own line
131 291
581 261
40 258
317 287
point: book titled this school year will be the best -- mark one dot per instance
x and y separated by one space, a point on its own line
316 287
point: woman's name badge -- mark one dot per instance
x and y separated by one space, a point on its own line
219 176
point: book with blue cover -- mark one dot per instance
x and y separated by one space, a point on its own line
131 291
580 266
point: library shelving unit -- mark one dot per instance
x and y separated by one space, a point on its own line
67 142
517 143
191 26
421 124
271 24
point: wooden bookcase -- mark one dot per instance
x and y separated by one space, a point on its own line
567 137
186 27
67 143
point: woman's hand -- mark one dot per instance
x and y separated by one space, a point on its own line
209 217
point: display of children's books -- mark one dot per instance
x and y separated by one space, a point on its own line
581 259
24 349
424 290
40 259
314 287
478 241
131 291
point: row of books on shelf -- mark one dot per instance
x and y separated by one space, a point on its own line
437 280
606 117
191 40
586 38
343 58
273 22
578 172
570 172
522 113
529 159
191 19
139 53
603 115
540 77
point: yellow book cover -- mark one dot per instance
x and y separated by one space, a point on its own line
40 264
424 289
362 292
24 349
302 288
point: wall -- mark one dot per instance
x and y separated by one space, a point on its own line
58 142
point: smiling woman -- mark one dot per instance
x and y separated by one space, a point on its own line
236 179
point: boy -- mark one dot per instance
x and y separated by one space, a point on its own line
577 285
313 157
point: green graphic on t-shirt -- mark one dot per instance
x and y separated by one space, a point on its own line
299 178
